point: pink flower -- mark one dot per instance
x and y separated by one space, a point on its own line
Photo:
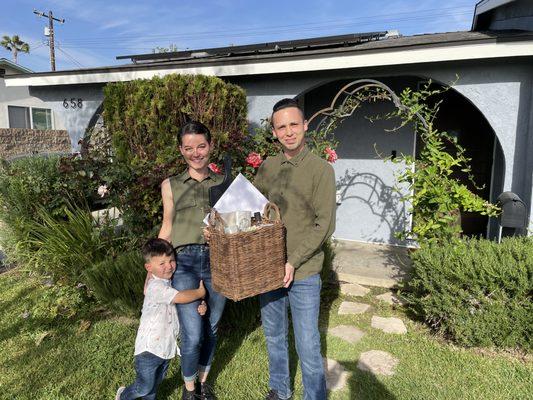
332 155
102 190
213 167
254 160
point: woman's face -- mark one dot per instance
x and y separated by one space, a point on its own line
195 149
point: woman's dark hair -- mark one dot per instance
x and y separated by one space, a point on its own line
156 247
195 128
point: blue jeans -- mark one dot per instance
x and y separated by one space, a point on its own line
198 334
150 370
303 297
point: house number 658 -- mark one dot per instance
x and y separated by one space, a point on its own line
73 103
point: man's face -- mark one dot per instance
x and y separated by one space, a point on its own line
195 149
289 127
161 266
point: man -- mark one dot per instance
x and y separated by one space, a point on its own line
303 186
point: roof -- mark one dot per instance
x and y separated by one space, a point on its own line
263 48
12 65
311 56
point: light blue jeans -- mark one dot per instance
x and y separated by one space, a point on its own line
150 370
303 297
198 334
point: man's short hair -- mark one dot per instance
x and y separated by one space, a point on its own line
156 247
285 103
195 128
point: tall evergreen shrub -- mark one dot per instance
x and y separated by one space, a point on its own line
477 292
143 117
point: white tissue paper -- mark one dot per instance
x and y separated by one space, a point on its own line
241 195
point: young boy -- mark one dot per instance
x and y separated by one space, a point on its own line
155 344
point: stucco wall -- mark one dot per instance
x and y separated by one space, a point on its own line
20 96
515 15
18 142
501 90
74 119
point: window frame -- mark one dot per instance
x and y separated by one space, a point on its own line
30 110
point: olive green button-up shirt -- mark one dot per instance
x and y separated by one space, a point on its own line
191 204
304 190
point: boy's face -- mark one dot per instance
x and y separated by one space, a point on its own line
161 266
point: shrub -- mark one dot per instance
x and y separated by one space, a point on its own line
118 282
477 292
28 185
65 247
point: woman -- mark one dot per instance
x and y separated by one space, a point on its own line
185 201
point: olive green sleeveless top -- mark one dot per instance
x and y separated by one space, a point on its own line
191 204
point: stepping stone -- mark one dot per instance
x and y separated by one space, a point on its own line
377 362
336 375
348 307
349 333
389 325
390 298
353 289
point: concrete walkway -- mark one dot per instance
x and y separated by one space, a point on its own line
370 264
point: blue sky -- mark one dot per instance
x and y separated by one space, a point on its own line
96 31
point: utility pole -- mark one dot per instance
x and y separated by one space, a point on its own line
51 20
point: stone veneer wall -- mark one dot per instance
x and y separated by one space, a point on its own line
17 142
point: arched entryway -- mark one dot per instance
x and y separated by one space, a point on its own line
369 206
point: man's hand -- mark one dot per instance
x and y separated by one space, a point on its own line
289 275
201 290
202 308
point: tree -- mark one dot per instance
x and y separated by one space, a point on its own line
170 49
14 44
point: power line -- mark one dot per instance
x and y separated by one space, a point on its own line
70 57
385 18
236 34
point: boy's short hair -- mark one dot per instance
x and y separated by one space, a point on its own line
285 103
156 247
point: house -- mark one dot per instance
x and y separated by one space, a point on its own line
27 123
489 108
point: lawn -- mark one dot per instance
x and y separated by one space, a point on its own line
76 360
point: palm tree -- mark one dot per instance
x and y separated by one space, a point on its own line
14 44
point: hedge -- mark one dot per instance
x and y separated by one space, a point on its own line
477 292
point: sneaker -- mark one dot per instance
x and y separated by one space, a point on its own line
272 395
206 392
186 395
119 392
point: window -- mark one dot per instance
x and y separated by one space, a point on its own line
19 117
30 117
42 118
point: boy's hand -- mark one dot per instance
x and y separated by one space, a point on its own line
202 308
201 290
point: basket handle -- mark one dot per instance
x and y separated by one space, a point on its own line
214 217
269 207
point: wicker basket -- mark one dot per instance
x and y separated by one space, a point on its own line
245 264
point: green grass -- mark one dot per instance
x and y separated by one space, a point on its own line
72 363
